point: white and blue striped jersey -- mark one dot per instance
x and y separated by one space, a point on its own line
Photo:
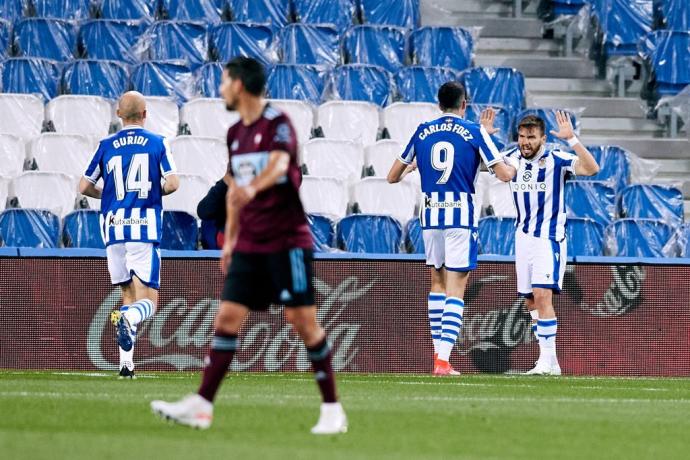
448 152
132 164
539 192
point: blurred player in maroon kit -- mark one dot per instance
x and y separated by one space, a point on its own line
268 248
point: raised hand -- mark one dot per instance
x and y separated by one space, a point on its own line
565 126
487 118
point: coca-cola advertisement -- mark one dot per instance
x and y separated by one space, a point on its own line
620 320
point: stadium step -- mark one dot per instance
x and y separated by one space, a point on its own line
645 147
568 86
446 12
531 46
502 27
628 107
535 66
619 126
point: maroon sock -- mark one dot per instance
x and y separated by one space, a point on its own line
320 357
220 355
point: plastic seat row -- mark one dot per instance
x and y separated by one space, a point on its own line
666 53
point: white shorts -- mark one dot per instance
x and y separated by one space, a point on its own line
453 248
128 259
539 262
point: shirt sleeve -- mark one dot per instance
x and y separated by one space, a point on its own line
408 155
283 136
93 169
566 160
487 149
167 163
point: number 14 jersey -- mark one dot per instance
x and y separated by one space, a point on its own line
449 151
131 163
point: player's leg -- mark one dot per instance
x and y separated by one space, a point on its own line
523 272
143 263
434 249
126 357
120 276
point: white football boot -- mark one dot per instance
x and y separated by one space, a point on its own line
541 367
192 410
332 420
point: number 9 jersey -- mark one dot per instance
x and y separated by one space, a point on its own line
448 151
131 163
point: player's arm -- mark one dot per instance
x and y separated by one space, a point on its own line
404 164
87 183
171 184
505 170
585 165
277 167
88 188
168 170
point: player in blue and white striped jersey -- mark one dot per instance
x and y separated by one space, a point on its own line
540 238
448 152
132 163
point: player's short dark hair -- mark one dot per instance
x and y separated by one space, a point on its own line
450 95
532 121
250 72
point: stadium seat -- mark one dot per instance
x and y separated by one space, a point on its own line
341 159
12 155
31 76
232 39
360 82
208 235
497 236
500 198
549 117
614 165
155 78
500 86
65 153
186 198
370 234
205 11
442 47
53 191
54 39
310 44
421 84
314 191
301 115
322 230
21 115
4 189
162 116
357 121
414 243
296 81
566 7
401 119
679 245
585 237
29 228
375 195
11 10
186 42
275 12
207 79
669 60
107 79
383 46
111 39
340 13
675 14
652 202
502 122
592 199
5 30
207 117
622 24
180 231
62 9
403 13
82 229
85 115
200 156
379 157
638 237
129 9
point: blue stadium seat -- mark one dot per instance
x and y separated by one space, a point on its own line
652 202
383 46
153 78
340 13
205 11
29 228
496 86
420 84
370 234
62 9
177 41
502 121
497 236
295 81
442 46
361 82
414 243
110 39
566 7
613 163
275 12
675 14
310 44
669 58
5 30
45 38
622 23
684 241
11 10
592 199
638 237
322 230
95 78
549 117
232 39
82 229
208 234
31 75
129 9
180 231
207 79
585 237
403 13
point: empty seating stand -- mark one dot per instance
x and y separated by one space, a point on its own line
29 228
372 234
82 229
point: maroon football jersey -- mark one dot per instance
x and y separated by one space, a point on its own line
274 220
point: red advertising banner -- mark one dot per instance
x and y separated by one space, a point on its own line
612 320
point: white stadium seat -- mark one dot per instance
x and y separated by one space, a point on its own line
335 158
86 115
46 190
66 153
376 196
402 118
12 155
481 189
380 156
162 116
351 120
300 113
21 114
4 190
186 198
208 117
201 156
324 195
501 198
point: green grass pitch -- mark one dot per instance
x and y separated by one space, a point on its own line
56 415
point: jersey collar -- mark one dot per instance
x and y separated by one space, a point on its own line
128 127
